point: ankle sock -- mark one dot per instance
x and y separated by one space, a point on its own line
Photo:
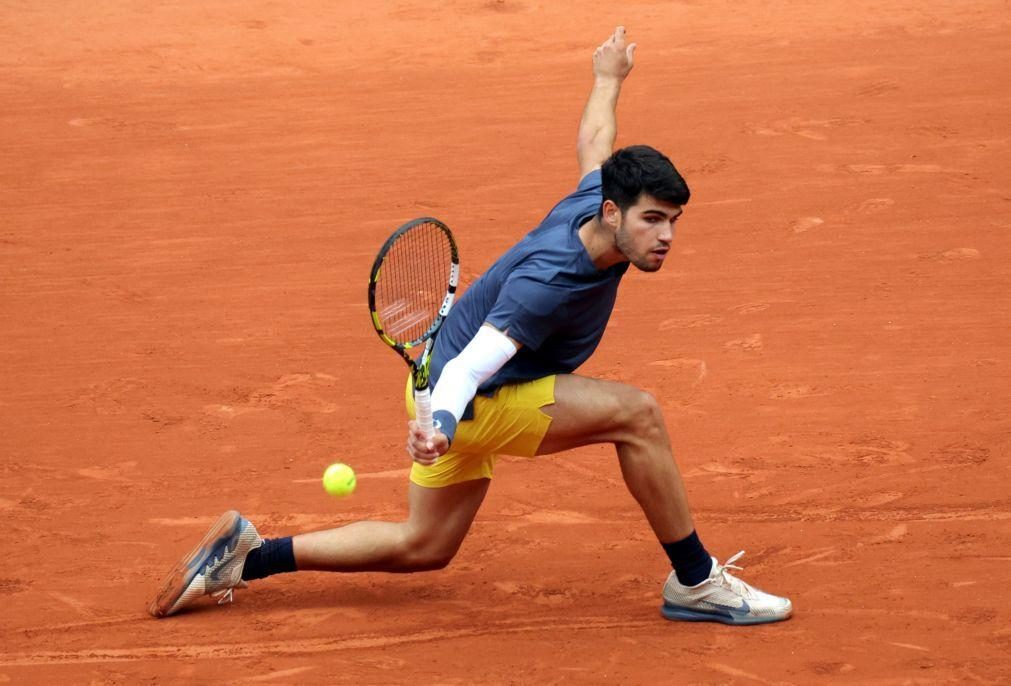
691 561
274 556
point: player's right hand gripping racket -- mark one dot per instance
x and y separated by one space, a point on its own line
411 288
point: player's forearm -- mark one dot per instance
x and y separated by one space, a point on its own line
598 127
462 376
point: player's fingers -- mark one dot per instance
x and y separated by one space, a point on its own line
630 53
421 442
416 443
416 432
419 454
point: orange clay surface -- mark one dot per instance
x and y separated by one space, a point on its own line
192 194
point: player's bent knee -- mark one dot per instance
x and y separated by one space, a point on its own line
431 563
428 559
642 415
426 551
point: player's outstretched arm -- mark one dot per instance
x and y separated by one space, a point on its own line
612 62
480 360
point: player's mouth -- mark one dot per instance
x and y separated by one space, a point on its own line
660 253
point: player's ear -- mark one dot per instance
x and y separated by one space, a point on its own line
611 215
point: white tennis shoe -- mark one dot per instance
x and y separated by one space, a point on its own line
722 598
213 568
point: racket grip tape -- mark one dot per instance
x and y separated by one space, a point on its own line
443 419
423 410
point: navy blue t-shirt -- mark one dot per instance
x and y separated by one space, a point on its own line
544 292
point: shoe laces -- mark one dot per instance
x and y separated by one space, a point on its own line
226 596
731 582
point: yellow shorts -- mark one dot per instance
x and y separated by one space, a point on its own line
510 422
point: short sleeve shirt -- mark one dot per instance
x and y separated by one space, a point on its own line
544 292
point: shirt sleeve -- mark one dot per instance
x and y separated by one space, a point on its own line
590 182
528 310
585 199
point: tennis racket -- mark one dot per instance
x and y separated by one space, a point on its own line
411 288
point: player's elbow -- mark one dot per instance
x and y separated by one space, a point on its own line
584 139
588 145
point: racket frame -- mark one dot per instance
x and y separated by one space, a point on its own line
419 367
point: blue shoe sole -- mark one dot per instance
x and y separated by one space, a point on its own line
174 585
683 614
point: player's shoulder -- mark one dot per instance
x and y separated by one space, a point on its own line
590 180
551 263
587 194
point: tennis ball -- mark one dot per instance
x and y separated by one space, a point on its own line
339 480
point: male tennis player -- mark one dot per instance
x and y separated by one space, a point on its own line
503 384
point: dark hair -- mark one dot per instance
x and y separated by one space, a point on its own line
638 169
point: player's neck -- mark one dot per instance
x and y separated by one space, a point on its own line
599 243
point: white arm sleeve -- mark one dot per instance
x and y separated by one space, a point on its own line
486 353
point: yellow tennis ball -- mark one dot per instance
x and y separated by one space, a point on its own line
339 480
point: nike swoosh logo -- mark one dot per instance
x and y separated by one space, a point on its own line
741 611
219 551
215 574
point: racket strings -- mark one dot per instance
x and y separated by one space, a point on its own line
413 282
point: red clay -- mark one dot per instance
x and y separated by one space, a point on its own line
191 198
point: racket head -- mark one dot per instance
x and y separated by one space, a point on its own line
412 285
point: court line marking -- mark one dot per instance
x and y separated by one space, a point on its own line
225 651
740 673
270 676
728 201
388 474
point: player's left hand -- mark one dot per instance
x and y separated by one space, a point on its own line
614 58
423 450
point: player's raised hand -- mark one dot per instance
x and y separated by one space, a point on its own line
614 57
425 450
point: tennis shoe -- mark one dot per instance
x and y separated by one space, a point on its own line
213 568
722 598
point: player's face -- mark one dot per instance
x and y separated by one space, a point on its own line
645 232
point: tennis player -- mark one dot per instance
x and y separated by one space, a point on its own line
503 381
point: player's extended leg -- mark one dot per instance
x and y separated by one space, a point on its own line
428 539
588 411
232 552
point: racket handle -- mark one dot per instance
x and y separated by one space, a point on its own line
423 410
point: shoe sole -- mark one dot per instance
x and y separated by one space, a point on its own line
175 584
682 614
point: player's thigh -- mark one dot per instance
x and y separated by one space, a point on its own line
588 411
440 517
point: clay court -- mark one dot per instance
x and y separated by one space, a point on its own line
192 195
